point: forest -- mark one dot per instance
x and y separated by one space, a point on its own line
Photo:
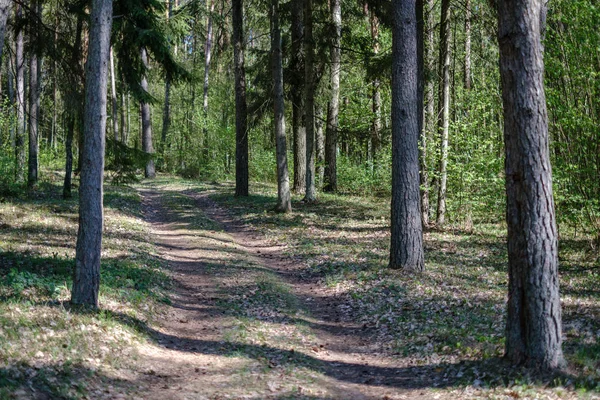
299 199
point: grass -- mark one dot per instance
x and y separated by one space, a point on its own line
44 344
451 316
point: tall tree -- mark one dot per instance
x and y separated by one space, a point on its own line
533 325
406 251
444 110
34 94
241 117
20 83
309 101
167 104
86 280
113 95
207 56
331 131
4 11
149 171
297 92
284 203
376 93
467 63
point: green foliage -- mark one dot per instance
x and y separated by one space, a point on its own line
124 164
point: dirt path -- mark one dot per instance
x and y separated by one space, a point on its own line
246 323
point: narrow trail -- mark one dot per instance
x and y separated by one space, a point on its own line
207 351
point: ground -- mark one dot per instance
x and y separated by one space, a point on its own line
238 302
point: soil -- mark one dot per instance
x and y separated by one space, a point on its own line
191 356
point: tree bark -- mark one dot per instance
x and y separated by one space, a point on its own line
20 83
533 325
309 101
297 92
320 142
86 281
428 115
34 98
147 147
284 203
4 11
444 110
241 117
406 251
74 110
113 92
331 134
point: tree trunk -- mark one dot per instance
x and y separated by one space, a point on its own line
34 98
406 251
309 101
207 56
73 110
147 147
297 93
376 99
86 281
113 91
320 145
4 11
334 102
467 71
533 325
284 203
20 82
167 105
444 110
428 115
241 124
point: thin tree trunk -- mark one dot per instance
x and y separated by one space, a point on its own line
34 103
406 250
429 114
297 92
533 324
467 71
320 145
241 125
147 147
331 132
207 56
4 11
113 91
309 102
444 110
20 81
376 99
284 203
123 112
167 105
74 110
86 281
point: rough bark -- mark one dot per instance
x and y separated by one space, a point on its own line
444 110
331 134
406 251
284 203
149 171
86 281
113 92
4 11
20 83
533 326
241 115
297 92
309 101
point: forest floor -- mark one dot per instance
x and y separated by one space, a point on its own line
208 296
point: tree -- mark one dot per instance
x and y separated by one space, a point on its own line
241 117
533 325
309 101
333 110
284 203
20 83
406 251
4 11
113 95
35 72
444 110
297 96
149 171
86 280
